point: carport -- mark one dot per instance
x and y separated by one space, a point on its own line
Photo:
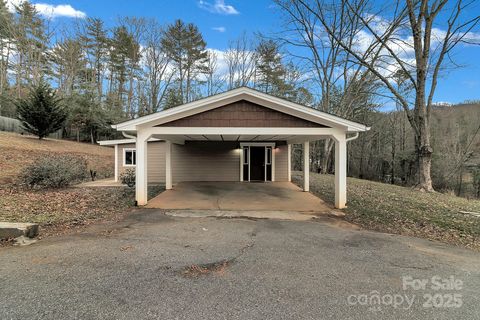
241 135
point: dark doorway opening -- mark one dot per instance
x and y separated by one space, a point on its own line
257 163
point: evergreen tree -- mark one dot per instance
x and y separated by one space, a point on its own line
95 41
41 112
69 62
186 48
86 117
6 42
172 98
124 56
31 42
270 71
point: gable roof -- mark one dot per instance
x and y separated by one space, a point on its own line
235 95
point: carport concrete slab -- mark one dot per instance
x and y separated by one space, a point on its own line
242 196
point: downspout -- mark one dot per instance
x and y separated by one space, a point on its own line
353 137
126 135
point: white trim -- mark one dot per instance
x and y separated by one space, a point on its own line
125 150
289 162
116 162
241 163
257 144
234 95
266 145
274 150
115 142
122 141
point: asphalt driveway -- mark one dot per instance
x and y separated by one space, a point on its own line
157 267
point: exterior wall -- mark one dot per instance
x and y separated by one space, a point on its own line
281 163
206 161
242 114
155 160
200 161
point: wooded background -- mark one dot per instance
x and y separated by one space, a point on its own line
106 75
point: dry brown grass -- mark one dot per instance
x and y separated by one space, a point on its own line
20 150
402 210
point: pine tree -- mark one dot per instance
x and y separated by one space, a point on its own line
270 71
31 42
95 40
41 112
69 62
6 41
186 48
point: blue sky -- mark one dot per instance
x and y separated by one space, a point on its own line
223 20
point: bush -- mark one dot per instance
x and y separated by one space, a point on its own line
55 171
128 177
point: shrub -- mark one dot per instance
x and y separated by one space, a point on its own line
55 171
128 177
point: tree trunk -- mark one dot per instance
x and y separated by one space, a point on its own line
327 149
424 168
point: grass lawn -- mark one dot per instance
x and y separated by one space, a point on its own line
394 209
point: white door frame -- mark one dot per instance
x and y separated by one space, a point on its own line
258 144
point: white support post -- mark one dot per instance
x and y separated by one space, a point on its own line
340 171
289 162
141 184
168 165
116 163
241 163
306 166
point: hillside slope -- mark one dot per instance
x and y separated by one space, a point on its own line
20 150
402 210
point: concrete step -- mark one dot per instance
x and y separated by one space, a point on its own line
16 229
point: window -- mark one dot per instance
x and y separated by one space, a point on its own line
269 155
129 157
245 155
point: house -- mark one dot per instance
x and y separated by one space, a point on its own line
239 135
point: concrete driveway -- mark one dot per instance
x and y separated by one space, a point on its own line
152 266
272 196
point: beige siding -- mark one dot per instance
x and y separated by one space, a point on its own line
156 160
205 161
201 161
281 163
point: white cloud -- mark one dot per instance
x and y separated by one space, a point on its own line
218 6
50 10
61 10
219 29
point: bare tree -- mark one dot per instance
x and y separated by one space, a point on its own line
412 25
344 85
156 68
214 80
240 60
